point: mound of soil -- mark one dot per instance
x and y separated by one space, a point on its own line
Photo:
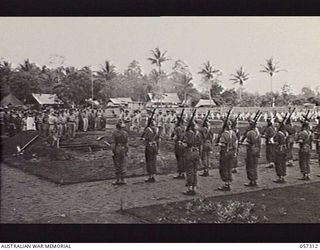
265 206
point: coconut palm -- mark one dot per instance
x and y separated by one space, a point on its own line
210 75
240 77
158 58
107 71
271 68
209 72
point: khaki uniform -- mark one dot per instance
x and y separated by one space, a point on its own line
290 141
151 149
304 140
280 149
71 125
179 149
269 134
206 147
192 142
253 153
120 150
229 144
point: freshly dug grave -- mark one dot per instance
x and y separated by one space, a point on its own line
86 159
277 205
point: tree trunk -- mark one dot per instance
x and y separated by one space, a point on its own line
240 93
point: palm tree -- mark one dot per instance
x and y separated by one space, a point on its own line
209 72
210 75
5 73
107 71
240 77
158 59
271 68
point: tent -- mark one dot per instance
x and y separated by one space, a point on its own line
206 103
47 99
11 100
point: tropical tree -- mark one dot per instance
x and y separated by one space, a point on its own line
210 76
6 72
158 59
240 77
271 68
107 71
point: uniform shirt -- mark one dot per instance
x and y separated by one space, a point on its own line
52 120
304 137
254 138
71 118
151 134
120 137
205 135
190 139
291 133
178 133
228 140
269 133
280 139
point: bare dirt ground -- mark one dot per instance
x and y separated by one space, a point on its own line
26 198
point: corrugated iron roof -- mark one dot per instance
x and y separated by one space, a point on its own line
165 98
49 99
120 100
206 103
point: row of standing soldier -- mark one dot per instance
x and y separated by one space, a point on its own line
194 143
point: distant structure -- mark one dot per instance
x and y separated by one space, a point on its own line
11 100
46 100
206 103
123 102
167 100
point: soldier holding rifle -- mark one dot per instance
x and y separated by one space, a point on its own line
206 145
237 132
191 154
316 132
305 140
228 142
177 135
252 139
268 134
120 152
151 136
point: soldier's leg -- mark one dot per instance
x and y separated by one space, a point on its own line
225 172
116 168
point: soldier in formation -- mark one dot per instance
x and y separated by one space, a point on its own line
253 144
179 150
120 152
228 143
191 143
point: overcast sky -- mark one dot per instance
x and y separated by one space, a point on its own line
228 42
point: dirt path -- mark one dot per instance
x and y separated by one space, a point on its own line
28 199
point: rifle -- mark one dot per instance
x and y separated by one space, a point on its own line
180 118
206 118
224 125
191 119
286 118
306 118
234 122
149 122
178 122
255 120
273 117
